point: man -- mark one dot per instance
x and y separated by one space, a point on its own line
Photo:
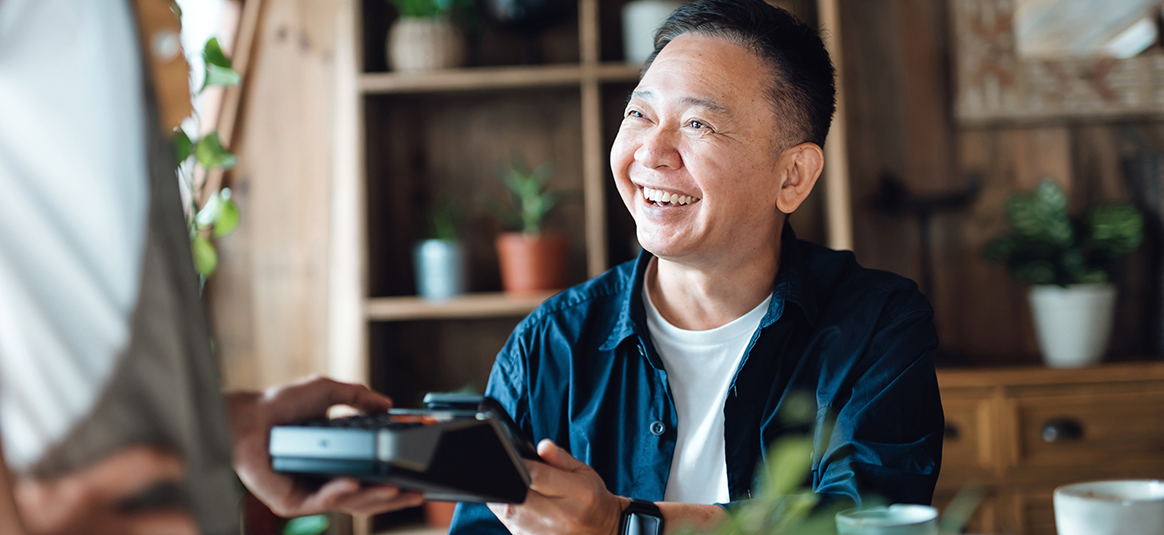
661 380
111 417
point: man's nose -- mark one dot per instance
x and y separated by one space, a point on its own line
659 149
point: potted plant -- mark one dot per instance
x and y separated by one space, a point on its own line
424 37
440 260
1067 261
531 260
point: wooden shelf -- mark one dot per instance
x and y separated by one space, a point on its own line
483 305
491 78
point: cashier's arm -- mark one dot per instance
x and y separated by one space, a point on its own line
89 502
568 497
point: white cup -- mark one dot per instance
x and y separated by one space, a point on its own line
1134 507
897 519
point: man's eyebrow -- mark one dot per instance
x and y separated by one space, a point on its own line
640 94
704 103
689 101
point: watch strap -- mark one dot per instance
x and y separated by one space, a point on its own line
641 517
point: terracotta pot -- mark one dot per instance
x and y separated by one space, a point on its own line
531 262
416 44
439 514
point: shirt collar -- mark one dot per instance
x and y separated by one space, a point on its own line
790 286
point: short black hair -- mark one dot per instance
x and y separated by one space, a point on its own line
803 88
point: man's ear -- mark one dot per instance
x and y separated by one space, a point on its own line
801 166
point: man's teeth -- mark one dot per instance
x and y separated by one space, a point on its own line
661 197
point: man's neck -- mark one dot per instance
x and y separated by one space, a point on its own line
698 298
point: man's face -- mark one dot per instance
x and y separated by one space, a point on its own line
700 132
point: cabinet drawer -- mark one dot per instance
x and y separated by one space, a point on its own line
1098 433
968 447
1038 513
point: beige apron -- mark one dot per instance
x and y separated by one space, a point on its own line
165 388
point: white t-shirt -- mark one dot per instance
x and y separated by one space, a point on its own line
73 208
700 367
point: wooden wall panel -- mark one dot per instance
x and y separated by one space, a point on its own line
898 69
268 300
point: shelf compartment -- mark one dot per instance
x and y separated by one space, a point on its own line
482 305
492 78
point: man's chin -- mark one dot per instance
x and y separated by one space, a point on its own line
663 249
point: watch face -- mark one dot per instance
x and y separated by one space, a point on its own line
640 524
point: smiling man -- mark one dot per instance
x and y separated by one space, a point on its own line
656 387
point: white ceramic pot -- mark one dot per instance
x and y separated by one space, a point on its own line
1073 324
640 19
1110 508
425 44
440 269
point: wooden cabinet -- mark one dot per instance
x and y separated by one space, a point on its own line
1019 433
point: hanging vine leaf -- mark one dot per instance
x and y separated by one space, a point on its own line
205 257
218 67
212 155
182 146
227 219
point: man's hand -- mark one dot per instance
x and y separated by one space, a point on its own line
92 501
252 415
566 497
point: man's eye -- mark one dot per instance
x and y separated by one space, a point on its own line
634 113
698 125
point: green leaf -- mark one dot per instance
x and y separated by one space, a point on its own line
210 211
212 54
205 257
961 508
221 76
1116 229
1035 272
227 220
210 153
182 146
307 525
1051 196
791 460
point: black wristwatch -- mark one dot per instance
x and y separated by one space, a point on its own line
641 518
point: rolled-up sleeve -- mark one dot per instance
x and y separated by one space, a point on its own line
885 440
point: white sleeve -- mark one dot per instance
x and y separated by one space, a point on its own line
73 209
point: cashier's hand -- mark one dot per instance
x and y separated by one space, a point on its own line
92 501
253 414
566 497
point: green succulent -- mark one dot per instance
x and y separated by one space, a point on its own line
444 220
528 200
1047 246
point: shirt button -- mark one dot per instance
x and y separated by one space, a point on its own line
657 428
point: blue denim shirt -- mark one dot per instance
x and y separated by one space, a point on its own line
581 370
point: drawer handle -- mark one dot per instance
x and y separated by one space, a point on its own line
952 432
1062 430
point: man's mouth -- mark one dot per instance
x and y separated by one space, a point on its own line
666 198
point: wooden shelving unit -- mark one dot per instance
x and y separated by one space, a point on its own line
479 305
399 137
492 78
